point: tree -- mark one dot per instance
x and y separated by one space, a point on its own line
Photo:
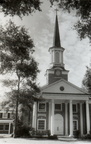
26 7
83 10
16 48
87 80
19 7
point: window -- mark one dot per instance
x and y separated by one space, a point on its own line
75 125
4 115
41 124
62 88
1 115
9 115
57 59
74 108
1 127
58 107
42 107
7 127
4 127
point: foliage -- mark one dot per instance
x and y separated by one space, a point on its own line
16 48
19 7
23 130
41 133
83 7
26 7
53 137
83 10
86 137
77 134
26 97
87 80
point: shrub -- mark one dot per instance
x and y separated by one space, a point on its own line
87 136
54 137
23 130
76 134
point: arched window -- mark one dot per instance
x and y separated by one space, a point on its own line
57 57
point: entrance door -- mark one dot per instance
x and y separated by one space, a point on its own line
58 124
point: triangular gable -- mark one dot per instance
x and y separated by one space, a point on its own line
62 86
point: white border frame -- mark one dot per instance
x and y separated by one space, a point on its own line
44 124
41 110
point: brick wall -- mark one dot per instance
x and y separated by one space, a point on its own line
52 78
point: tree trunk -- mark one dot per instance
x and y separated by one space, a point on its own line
16 117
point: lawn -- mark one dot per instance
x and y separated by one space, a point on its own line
38 141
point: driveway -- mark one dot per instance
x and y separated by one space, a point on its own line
38 141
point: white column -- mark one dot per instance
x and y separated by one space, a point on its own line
52 119
87 117
71 118
61 57
53 56
49 123
66 119
34 115
9 128
81 119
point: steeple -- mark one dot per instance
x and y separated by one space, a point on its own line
56 40
57 70
56 50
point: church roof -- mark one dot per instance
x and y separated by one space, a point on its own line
69 87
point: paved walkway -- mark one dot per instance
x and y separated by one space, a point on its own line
38 141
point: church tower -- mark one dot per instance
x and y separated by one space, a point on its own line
57 70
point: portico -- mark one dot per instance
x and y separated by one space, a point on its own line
64 117
68 117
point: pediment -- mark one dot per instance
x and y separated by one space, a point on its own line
62 86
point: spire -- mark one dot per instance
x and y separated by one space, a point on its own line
56 40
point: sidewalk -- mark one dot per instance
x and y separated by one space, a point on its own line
38 141
5 135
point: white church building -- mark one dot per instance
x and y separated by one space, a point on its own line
66 108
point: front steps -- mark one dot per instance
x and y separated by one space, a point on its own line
66 138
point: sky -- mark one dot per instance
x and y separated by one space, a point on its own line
40 26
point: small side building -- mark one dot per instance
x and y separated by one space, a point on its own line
6 121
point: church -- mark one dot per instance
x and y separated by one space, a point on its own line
66 108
